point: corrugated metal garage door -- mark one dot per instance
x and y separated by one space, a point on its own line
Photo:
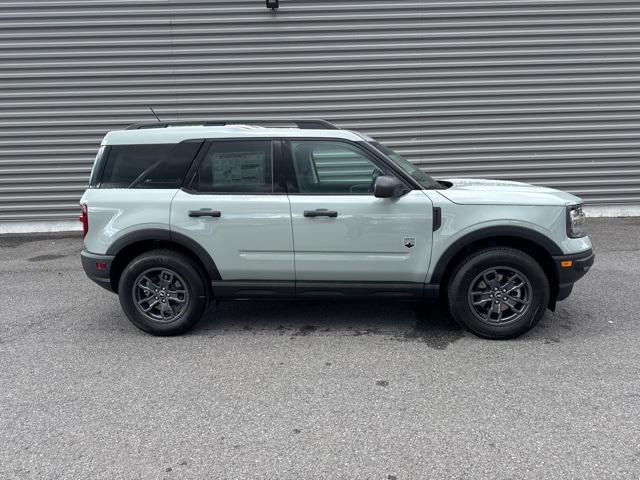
546 92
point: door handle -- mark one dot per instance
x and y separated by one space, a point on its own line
321 212
205 213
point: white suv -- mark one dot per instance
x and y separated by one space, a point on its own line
177 215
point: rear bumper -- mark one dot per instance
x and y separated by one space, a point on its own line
98 268
570 269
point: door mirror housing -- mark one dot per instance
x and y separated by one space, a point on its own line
388 187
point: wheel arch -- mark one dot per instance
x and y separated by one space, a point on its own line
535 244
135 243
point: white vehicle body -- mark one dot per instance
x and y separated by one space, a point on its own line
270 243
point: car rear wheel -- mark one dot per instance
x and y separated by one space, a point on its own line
498 293
163 292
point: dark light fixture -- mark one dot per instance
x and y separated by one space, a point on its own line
273 4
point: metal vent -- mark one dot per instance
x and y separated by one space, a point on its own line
546 92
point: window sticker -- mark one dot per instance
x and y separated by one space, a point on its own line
238 167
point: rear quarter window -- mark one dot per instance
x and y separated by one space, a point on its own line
98 164
148 166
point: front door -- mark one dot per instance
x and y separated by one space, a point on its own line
346 239
231 209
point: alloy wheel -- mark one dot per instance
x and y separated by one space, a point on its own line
160 294
500 295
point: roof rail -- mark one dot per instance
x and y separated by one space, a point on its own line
302 124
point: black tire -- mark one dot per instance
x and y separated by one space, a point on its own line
526 305
157 266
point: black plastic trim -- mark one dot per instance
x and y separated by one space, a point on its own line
101 277
165 234
197 249
213 194
238 289
316 124
278 170
247 289
360 289
205 213
437 218
191 171
431 291
320 212
138 236
195 158
582 262
491 232
563 292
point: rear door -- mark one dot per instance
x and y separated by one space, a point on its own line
231 208
345 238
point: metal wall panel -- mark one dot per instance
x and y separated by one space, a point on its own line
546 92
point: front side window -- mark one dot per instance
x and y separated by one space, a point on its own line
329 167
236 167
414 172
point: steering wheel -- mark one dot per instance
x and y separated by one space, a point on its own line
364 187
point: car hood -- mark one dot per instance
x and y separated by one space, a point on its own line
475 191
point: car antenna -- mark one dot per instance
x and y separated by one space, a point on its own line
154 114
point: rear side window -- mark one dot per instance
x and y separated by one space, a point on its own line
97 167
148 166
236 167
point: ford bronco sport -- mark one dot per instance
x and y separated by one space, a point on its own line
177 215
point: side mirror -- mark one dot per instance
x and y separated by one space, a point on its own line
388 187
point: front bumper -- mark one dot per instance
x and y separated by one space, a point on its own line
570 269
98 268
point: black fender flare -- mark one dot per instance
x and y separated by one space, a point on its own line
486 233
161 234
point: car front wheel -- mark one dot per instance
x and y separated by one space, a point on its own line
498 293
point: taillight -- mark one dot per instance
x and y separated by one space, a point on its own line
84 219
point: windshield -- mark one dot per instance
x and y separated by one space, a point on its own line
414 172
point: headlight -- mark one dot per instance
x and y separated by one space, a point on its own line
575 222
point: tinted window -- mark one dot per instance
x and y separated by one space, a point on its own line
333 167
422 178
97 166
148 166
236 167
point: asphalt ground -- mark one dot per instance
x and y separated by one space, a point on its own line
297 390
